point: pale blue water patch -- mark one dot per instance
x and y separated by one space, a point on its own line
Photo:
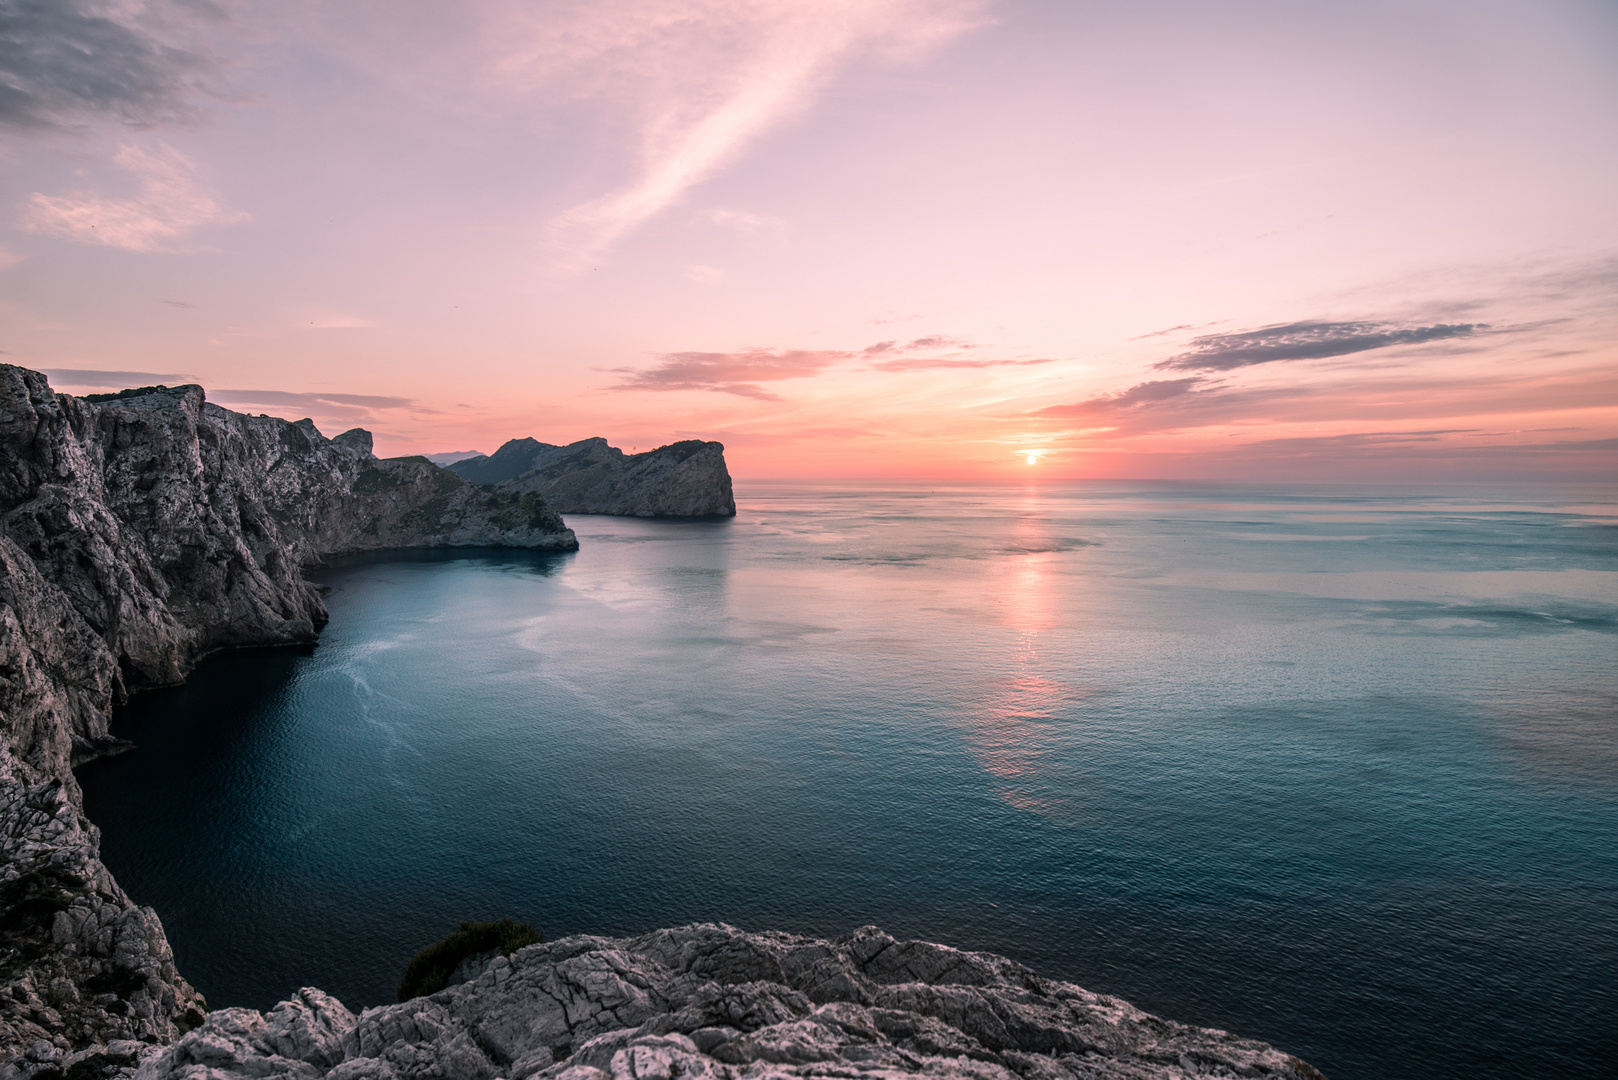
1333 768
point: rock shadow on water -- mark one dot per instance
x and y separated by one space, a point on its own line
539 563
210 701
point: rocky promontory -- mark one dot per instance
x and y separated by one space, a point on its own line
683 479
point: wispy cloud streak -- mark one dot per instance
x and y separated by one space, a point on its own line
1144 395
736 373
710 76
741 372
897 356
120 380
172 201
1306 341
930 363
308 400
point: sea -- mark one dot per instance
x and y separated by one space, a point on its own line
1334 767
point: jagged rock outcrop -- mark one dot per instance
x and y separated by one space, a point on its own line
83 965
717 1003
683 479
139 531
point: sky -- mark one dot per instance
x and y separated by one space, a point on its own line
994 239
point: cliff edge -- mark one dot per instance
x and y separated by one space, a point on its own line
683 479
717 1003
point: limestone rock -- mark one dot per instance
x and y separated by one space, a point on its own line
80 964
683 479
717 1003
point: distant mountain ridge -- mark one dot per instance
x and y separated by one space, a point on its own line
452 456
683 479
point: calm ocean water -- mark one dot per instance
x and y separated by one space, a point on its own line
1333 768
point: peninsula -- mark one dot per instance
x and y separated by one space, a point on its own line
683 479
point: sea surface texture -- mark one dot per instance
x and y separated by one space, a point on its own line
1334 768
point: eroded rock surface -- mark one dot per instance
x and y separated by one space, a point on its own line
139 531
717 1003
683 479
82 964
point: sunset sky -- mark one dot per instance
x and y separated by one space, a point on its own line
955 238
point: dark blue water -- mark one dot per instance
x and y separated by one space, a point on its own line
1334 769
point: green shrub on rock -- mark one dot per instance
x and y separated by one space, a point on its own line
429 970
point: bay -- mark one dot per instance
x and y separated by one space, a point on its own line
1332 767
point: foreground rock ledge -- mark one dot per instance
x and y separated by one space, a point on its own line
718 1003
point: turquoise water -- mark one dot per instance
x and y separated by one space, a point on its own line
1337 769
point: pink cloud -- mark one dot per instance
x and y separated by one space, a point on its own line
730 373
172 201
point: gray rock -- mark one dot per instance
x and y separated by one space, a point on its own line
81 964
683 479
718 1003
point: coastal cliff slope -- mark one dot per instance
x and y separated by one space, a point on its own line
683 479
139 531
717 1003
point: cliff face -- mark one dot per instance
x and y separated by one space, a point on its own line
683 479
716 1003
139 531
143 529
84 966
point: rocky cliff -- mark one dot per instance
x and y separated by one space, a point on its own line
139 531
683 479
717 1003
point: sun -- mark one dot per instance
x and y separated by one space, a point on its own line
1033 459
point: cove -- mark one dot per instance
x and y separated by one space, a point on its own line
1335 770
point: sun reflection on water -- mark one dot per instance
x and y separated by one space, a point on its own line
1015 731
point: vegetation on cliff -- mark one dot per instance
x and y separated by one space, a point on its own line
429 970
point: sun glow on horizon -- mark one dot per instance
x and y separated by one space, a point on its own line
750 222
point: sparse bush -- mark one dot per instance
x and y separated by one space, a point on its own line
429 970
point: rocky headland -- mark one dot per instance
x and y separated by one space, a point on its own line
141 530
683 479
